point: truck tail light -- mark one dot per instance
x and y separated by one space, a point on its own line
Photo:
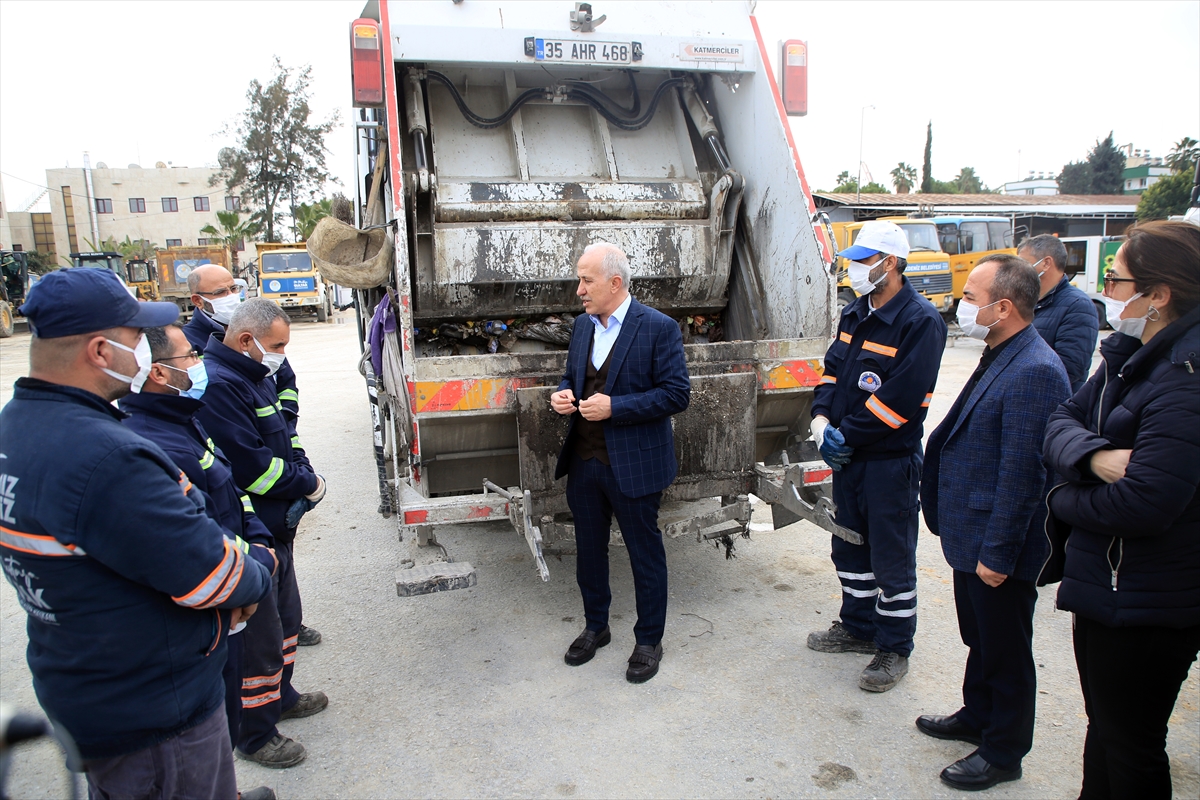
795 77
366 63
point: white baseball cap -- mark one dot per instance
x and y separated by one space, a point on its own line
877 237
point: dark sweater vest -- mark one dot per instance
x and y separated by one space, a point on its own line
589 436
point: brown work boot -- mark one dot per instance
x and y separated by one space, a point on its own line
309 703
279 753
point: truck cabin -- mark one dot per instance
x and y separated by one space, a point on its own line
102 260
14 276
139 270
962 235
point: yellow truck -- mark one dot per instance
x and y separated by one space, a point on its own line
287 276
176 263
928 266
969 240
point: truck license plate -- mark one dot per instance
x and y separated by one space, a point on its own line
583 52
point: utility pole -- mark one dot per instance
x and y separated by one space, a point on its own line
861 119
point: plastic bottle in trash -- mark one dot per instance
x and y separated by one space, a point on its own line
494 327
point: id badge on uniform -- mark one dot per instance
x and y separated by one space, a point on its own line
869 382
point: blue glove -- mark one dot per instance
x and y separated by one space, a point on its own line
302 506
834 449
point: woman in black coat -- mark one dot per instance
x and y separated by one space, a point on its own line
1128 448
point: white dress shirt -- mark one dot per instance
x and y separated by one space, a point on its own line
604 338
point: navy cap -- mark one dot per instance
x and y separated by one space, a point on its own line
68 302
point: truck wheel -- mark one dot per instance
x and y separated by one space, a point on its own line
1102 313
6 320
323 312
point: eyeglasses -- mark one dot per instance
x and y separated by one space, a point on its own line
222 292
193 353
1111 279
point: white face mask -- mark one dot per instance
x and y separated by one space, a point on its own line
141 354
860 276
967 313
223 307
272 361
1130 327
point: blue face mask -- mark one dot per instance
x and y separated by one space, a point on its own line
199 377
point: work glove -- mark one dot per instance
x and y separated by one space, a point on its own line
834 449
303 505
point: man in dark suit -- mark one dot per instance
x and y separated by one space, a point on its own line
983 492
626 375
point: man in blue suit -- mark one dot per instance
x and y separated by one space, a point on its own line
626 376
983 492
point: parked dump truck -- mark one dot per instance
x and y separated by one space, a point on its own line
174 265
287 276
969 240
499 140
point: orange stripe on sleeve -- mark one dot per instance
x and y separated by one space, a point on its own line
885 414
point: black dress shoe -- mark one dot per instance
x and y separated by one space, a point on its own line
586 645
974 773
643 664
950 727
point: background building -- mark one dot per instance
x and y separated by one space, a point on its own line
166 205
1039 184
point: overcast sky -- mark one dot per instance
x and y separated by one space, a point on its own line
140 82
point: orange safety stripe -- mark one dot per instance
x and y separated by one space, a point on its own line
290 658
37 545
889 417
185 482
828 379
260 699
201 596
928 397
262 680
290 641
882 349
845 337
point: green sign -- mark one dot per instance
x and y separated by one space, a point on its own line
1108 252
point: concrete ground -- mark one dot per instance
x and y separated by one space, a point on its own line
465 694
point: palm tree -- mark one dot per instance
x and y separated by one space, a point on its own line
137 249
967 181
231 233
904 178
1183 155
309 214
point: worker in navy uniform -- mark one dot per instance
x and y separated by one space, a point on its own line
215 297
1065 316
128 585
165 413
243 416
867 415
626 376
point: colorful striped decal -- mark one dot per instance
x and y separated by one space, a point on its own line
792 375
467 395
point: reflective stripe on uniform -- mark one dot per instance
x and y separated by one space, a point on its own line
261 699
882 349
207 460
860 592
219 584
267 411
37 545
888 417
185 482
296 443
925 402
828 379
268 478
242 544
857 576
883 598
904 612
290 394
247 506
845 337
291 641
262 680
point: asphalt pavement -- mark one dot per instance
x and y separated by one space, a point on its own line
465 693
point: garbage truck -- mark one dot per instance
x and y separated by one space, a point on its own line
494 142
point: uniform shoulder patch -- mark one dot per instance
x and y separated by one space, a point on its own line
869 382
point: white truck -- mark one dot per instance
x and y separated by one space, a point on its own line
495 140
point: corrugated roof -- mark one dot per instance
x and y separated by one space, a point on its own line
914 200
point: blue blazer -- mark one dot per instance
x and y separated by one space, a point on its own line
984 485
648 382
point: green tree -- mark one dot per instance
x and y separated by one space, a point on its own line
108 245
1108 167
967 182
231 233
1183 155
927 166
848 184
280 154
308 215
141 249
1075 178
942 187
904 178
1167 197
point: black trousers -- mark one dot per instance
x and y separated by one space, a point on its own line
1000 681
268 652
593 495
1130 679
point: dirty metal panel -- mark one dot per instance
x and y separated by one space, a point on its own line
716 433
561 141
540 436
514 269
552 200
460 150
